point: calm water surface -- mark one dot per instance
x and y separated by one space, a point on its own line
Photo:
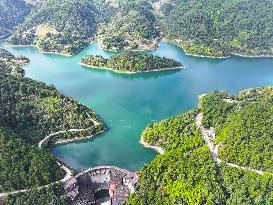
127 103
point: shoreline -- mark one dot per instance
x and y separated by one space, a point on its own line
215 57
78 139
202 95
174 42
251 56
146 145
69 172
131 72
39 49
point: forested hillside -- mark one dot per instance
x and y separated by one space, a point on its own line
12 13
245 123
23 165
219 28
51 195
33 110
29 111
187 173
132 27
64 26
213 28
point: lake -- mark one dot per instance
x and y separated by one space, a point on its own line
127 103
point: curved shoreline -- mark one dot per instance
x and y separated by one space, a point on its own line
133 50
40 50
76 139
215 57
193 55
146 145
65 141
152 49
251 56
131 72
68 171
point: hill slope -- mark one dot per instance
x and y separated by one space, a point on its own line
29 111
212 28
132 27
187 173
64 26
12 13
219 28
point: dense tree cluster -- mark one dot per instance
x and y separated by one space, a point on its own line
131 62
133 27
34 110
250 131
59 26
219 28
180 176
243 122
51 195
186 173
23 165
29 111
215 108
12 13
246 187
174 132
263 94
212 28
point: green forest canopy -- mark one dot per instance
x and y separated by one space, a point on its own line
244 124
132 27
131 62
186 173
218 28
30 110
209 27
12 13
64 26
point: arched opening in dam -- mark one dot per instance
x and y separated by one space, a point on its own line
102 197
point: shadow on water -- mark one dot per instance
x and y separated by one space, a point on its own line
135 76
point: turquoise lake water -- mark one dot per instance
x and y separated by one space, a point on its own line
127 103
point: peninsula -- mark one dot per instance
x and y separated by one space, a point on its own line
220 151
131 62
34 116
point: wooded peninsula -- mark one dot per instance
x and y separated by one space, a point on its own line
30 111
131 62
218 153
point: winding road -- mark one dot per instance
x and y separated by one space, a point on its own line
68 172
209 136
67 176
